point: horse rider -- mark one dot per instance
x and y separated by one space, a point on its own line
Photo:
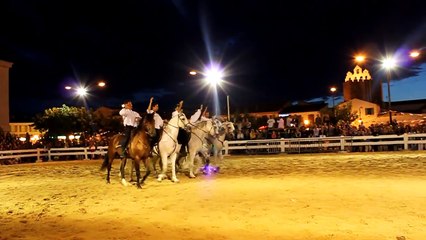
130 122
158 121
183 136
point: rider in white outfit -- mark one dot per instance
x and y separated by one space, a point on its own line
158 121
130 122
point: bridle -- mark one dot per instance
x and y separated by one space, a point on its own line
201 129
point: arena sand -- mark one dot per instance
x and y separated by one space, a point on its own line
310 196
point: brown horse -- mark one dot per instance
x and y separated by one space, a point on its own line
139 149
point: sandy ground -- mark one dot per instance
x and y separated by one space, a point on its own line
316 196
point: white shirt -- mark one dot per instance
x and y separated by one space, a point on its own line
271 122
130 117
158 121
175 113
194 118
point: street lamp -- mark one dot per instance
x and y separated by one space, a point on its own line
213 77
389 63
414 54
333 90
359 58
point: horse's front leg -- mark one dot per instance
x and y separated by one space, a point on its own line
173 160
191 164
122 170
148 166
136 163
163 175
109 162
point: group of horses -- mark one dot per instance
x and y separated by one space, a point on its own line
203 134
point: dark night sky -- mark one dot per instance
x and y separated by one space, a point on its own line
272 51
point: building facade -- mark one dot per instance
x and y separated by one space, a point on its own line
359 84
4 95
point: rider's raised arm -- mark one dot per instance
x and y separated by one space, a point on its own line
149 109
179 106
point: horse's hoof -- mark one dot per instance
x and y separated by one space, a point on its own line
139 186
175 180
160 177
191 175
124 182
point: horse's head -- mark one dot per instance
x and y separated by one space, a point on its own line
148 124
211 128
182 120
207 126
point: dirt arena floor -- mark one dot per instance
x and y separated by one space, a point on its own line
310 196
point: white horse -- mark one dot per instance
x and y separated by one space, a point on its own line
227 129
199 133
168 146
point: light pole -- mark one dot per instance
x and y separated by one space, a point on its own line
388 64
333 90
360 115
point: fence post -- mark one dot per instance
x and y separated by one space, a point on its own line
49 157
282 145
38 155
85 154
405 141
226 147
342 143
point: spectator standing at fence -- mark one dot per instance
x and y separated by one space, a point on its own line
240 135
281 123
289 121
253 134
271 121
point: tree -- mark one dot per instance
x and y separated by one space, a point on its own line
63 120
343 113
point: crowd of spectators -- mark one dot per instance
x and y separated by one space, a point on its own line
295 129
11 142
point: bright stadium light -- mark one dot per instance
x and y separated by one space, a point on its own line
389 63
81 91
214 76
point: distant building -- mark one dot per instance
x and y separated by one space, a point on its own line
366 111
21 129
307 112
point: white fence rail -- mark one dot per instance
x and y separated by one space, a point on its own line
328 144
52 154
267 146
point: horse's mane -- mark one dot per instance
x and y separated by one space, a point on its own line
201 124
148 117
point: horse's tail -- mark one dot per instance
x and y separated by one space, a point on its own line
105 163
